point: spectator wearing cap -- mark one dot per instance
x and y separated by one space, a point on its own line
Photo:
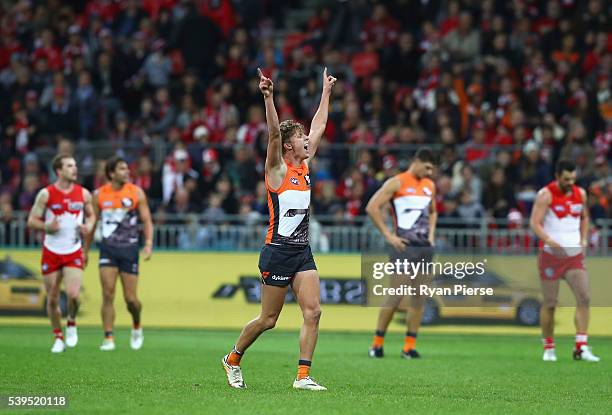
534 172
211 171
176 168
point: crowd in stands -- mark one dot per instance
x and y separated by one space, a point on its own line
501 89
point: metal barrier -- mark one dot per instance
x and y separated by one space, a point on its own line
327 234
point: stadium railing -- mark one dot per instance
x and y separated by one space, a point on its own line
327 234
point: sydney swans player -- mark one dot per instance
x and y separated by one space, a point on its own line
117 205
286 258
560 218
59 210
412 198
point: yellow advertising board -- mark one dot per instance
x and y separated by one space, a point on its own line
221 290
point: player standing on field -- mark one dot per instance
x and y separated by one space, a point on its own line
59 210
412 198
118 204
286 258
560 218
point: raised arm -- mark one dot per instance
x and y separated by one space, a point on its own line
319 121
274 153
147 222
374 210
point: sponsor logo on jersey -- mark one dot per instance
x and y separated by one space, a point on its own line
279 278
107 203
75 205
56 206
576 208
294 181
307 178
126 202
559 208
104 261
411 190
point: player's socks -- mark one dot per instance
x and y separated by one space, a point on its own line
379 339
303 369
409 341
108 334
57 333
234 357
581 340
549 343
72 337
136 326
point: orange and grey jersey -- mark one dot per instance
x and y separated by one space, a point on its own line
119 215
410 206
289 208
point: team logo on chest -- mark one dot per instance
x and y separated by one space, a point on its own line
295 181
126 202
427 191
307 179
75 206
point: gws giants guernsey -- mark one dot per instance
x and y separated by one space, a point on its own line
119 215
289 208
67 208
410 206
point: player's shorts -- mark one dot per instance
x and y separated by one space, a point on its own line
553 267
51 262
418 250
278 264
123 257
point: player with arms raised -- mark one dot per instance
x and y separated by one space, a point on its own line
413 204
118 204
560 218
63 211
286 258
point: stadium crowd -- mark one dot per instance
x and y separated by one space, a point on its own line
501 88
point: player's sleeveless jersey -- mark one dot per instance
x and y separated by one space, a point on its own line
119 217
410 206
562 219
67 208
289 208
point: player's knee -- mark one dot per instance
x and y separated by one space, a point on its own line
132 304
312 315
268 322
108 296
73 294
549 303
583 300
52 301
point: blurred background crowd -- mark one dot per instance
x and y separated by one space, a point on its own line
501 89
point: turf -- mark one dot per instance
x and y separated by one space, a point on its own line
179 371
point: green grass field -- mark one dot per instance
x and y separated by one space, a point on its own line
179 371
